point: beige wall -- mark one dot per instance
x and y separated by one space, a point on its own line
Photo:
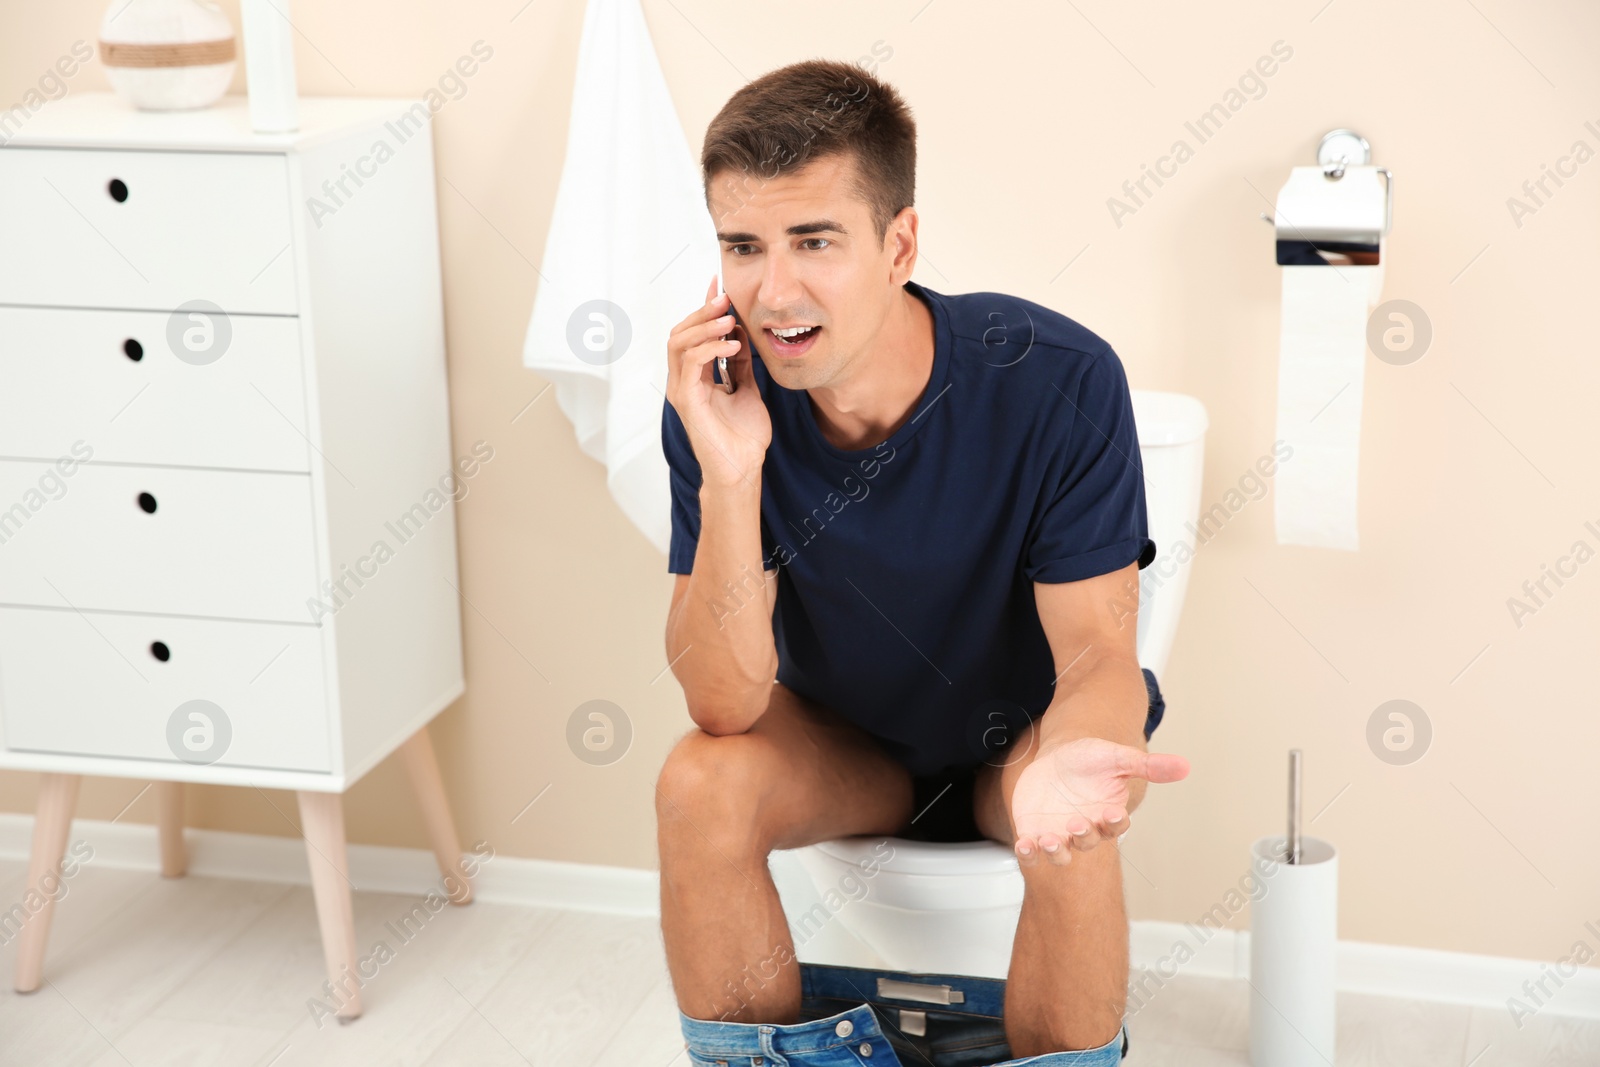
1476 460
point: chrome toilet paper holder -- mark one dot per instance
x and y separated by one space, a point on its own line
1346 148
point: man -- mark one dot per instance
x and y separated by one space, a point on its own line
907 547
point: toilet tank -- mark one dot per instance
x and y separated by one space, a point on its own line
1171 428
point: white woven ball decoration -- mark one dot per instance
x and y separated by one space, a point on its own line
167 55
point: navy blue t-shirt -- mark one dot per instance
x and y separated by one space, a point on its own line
906 570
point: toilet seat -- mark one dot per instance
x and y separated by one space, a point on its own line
930 907
930 875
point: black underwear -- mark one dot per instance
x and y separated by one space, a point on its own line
942 807
942 802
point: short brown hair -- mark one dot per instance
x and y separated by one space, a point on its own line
811 110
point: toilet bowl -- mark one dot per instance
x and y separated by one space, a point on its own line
952 907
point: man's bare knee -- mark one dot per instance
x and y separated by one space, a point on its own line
711 787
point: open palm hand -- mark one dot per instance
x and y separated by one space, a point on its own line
1075 794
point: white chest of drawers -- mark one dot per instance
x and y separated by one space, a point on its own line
227 534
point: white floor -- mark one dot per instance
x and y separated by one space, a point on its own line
211 971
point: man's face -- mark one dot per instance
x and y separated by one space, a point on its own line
831 273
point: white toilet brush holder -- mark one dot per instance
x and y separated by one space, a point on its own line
1294 937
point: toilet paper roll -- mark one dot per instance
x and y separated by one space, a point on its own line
1322 352
1294 955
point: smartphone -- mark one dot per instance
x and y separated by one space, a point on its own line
721 373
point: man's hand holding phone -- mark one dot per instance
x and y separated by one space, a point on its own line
730 432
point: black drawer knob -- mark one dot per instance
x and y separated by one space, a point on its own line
160 651
148 503
133 349
118 190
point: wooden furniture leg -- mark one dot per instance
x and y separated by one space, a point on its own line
52 821
169 828
423 768
322 822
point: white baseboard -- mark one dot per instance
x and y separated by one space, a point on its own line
373 868
1382 970
1364 967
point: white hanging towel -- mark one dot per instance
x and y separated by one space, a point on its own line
630 252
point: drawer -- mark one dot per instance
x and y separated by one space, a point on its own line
230 544
112 380
188 226
92 684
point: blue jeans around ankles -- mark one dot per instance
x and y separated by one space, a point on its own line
863 1017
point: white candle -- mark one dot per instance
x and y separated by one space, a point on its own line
269 65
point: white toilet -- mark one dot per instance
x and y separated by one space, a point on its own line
952 908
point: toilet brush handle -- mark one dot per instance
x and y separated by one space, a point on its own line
1292 844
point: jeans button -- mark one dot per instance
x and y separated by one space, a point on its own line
845 1028
866 1049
